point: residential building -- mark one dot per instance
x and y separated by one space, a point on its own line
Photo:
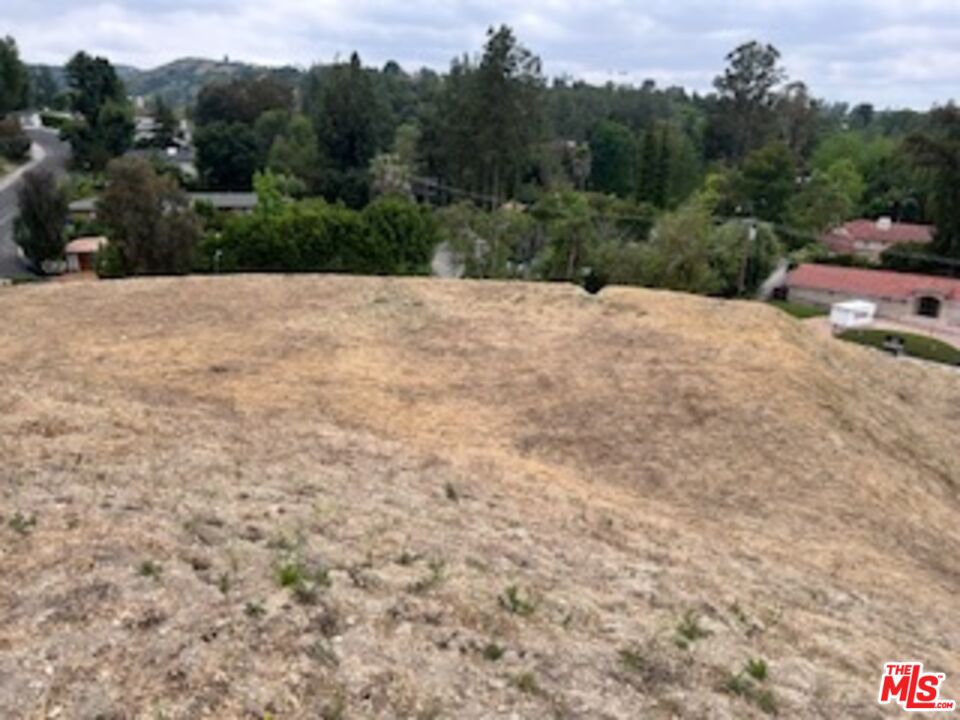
904 297
869 238
231 202
81 253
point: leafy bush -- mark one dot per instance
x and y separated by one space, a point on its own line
43 211
55 121
400 238
798 310
110 262
390 236
916 258
14 144
919 346
15 148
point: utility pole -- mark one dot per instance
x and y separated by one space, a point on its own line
750 239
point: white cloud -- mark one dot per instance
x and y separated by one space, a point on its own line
890 52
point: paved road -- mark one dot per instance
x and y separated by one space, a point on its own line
55 157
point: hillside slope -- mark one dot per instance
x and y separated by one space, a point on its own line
346 497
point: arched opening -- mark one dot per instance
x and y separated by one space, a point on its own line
928 306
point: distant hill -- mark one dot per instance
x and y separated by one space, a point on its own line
180 81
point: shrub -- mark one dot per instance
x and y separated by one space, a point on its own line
748 684
149 219
526 682
43 211
391 236
517 603
757 669
400 235
799 310
493 652
52 120
14 144
689 630
919 346
110 263
22 524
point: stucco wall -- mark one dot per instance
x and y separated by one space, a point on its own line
886 308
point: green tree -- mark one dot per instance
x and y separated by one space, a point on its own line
268 127
509 83
662 174
149 219
43 216
14 143
768 179
389 236
295 151
937 153
227 155
242 100
827 199
680 255
743 117
114 127
93 82
346 124
798 117
648 189
400 238
44 91
483 132
166 120
342 103
613 153
14 79
892 183
106 126
743 257
571 227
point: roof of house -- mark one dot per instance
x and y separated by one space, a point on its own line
844 238
227 200
85 245
220 200
871 283
171 155
84 205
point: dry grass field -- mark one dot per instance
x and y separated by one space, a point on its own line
328 497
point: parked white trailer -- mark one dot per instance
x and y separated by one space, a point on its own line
852 314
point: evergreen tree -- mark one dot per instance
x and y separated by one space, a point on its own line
106 126
43 214
613 153
662 175
14 80
649 155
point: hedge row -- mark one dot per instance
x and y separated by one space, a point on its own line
389 236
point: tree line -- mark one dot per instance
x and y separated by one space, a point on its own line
603 172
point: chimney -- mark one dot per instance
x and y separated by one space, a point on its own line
884 224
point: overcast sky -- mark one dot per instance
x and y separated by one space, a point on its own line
894 53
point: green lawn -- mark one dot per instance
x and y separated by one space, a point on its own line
919 346
798 310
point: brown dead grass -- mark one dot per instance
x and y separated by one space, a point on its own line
622 460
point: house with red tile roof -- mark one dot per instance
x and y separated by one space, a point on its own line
869 238
905 297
